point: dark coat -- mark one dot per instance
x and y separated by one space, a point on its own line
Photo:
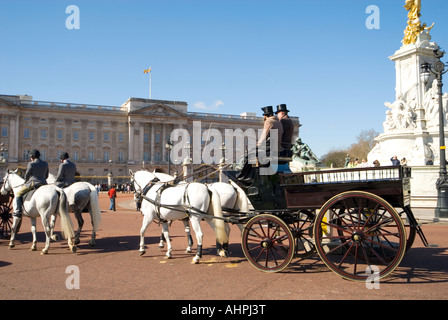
66 174
37 172
288 131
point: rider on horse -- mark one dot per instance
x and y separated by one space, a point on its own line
36 175
66 173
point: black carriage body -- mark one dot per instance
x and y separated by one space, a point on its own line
310 190
313 189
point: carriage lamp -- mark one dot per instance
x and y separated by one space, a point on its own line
437 70
169 146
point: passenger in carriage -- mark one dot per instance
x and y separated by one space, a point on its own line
288 130
270 122
66 173
35 176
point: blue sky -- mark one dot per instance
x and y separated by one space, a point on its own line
317 56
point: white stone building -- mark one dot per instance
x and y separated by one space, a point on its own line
104 139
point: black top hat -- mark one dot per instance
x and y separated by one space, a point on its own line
281 107
268 111
34 154
63 156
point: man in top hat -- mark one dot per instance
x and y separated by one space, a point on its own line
288 129
270 122
67 171
35 176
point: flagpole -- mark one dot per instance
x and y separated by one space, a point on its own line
149 71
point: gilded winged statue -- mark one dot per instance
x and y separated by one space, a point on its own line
414 27
414 7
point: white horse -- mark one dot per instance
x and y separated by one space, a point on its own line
232 198
47 201
146 177
173 203
80 196
233 202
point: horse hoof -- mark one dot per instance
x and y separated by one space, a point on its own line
11 246
33 249
92 243
223 254
77 241
196 260
43 252
142 252
188 250
55 237
74 249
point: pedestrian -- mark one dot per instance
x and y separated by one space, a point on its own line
395 161
112 195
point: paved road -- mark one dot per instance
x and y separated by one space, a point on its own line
114 270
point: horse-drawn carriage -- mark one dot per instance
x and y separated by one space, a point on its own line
5 214
359 220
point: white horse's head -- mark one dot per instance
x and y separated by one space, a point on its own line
10 181
140 179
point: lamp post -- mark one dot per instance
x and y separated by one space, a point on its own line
169 146
438 69
3 156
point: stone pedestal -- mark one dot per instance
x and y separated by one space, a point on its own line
411 127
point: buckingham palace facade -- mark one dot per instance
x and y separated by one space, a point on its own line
104 140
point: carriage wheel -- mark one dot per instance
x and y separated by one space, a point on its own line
6 218
302 231
411 228
360 236
268 243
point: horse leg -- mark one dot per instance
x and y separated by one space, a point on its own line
33 232
15 226
78 216
162 241
53 236
47 229
166 234
92 239
195 222
145 224
189 237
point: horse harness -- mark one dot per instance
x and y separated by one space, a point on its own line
184 207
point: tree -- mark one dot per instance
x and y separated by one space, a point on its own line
359 150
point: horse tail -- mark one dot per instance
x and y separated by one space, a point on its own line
242 202
95 210
66 222
215 208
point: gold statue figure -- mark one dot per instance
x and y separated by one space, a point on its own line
414 7
414 27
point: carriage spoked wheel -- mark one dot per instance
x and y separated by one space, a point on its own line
268 243
360 236
302 231
5 215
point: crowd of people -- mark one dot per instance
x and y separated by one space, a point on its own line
364 164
